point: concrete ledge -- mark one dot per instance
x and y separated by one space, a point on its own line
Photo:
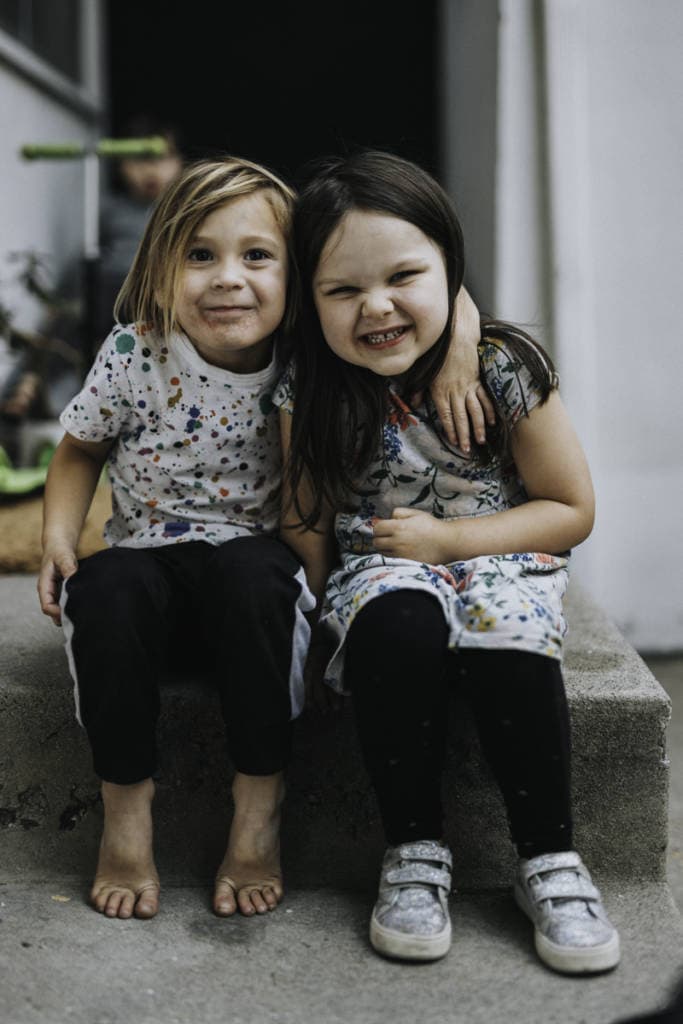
50 815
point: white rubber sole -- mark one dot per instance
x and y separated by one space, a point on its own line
572 959
409 947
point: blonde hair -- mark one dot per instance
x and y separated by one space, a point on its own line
148 294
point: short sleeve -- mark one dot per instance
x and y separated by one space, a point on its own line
283 396
99 410
508 380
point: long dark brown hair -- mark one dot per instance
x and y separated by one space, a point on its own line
340 408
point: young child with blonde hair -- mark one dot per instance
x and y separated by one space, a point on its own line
178 406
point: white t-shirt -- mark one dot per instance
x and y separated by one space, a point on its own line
196 454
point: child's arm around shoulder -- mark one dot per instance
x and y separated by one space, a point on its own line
559 513
457 390
316 551
72 478
314 547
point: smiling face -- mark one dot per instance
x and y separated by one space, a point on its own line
233 284
381 292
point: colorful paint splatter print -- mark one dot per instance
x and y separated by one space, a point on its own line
196 453
509 602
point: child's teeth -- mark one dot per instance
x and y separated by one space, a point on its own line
377 339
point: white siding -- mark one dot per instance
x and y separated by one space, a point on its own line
587 230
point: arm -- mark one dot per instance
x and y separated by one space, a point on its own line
316 550
74 471
558 515
457 392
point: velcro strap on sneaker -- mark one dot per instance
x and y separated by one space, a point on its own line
566 888
425 851
419 873
552 862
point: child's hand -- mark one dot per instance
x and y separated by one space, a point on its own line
56 567
460 402
411 533
456 391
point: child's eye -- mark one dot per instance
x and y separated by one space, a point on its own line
256 255
199 255
401 275
342 289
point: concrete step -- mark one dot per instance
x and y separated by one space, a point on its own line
310 962
50 814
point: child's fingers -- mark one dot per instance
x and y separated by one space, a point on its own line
450 410
476 416
406 513
49 588
387 546
487 404
383 528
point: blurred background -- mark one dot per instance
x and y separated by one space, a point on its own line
554 124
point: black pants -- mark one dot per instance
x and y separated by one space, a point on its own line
400 672
233 610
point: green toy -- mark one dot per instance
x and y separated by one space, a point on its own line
16 483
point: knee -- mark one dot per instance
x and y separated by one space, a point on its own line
252 569
110 584
400 619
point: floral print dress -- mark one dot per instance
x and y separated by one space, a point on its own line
511 602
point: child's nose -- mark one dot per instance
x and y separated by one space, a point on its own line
227 274
377 303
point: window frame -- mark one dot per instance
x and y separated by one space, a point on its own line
85 98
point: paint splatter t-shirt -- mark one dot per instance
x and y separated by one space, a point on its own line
196 453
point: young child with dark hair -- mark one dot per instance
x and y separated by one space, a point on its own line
452 569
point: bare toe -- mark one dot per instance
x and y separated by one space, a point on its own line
224 898
113 902
148 904
244 902
127 905
270 896
257 901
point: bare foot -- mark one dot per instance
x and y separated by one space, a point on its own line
250 877
126 882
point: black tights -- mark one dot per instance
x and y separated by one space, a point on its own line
400 672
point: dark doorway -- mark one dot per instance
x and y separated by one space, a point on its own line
280 82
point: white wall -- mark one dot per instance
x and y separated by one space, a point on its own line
41 202
587 244
615 82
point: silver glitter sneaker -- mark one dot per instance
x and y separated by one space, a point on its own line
410 918
573 933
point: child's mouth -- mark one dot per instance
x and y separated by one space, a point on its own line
213 311
384 339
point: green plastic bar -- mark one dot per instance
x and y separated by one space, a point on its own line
53 151
155 145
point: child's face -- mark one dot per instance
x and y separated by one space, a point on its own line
147 178
381 292
233 284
